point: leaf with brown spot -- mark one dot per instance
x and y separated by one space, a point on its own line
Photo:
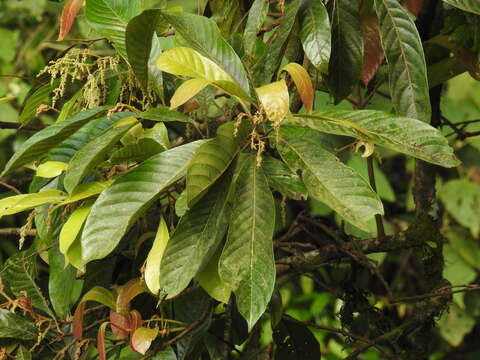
69 13
101 341
373 52
142 339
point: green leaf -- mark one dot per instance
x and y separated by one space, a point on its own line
154 258
37 146
19 203
212 159
118 207
20 271
269 63
186 91
462 200
472 6
138 152
72 227
13 326
294 341
51 169
86 190
195 239
282 179
61 283
315 35
347 49
405 135
164 114
94 152
109 18
327 179
202 35
256 17
23 353
406 60
247 264
167 354
183 61
40 96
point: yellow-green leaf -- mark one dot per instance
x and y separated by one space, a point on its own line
51 169
210 280
302 81
142 339
72 227
19 203
274 99
86 190
154 258
186 91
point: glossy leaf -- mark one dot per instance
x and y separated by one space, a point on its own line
39 96
315 35
19 203
69 13
154 258
127 293
275 100
195 239
202 35
256 17
164 114
247 264
94 152
282 179
294 340
212 159
14 326
405 135
327 179
72 227
406 60
37 146
128 197
110 18
138 152
142 339
347 49
210 281
303 82
51 169
186 91
373 55
86 190
472 6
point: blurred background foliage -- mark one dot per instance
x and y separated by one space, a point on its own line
28 30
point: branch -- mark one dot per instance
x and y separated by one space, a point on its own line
17 231
17 126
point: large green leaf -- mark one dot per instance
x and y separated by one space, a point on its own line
406 135
472 6
37 146
247 264
256 17
94 152
212 159
315 35
154 258
14 326
327 178
18 203
269 63
119 206
347 49
110 18
282 179
138 152
202 35
195 238
406 60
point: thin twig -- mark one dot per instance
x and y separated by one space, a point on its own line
17 231
371 178
18 126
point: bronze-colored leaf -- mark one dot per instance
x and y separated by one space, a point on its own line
69 13
373 52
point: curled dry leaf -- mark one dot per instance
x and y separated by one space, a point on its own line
69 13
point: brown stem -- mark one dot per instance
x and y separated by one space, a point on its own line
17 126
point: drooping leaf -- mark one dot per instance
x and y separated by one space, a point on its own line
101 341
110 18
327 178
37 146
256 17
86 190
316 35
406 61
94 152
472 6
186 91
138 152
275 100
69 13
164 114
303 82
72 227
154 258
118 207
14 326
212 159
373 54
203 36
247 264
183 61
268 64
197 236
405 135
142 339
51 169
294 340
19 203
282 179
347 49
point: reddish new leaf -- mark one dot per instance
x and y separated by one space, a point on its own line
101 341
414 6
142 339
120 325
127 292
373 52
135 320
69 13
